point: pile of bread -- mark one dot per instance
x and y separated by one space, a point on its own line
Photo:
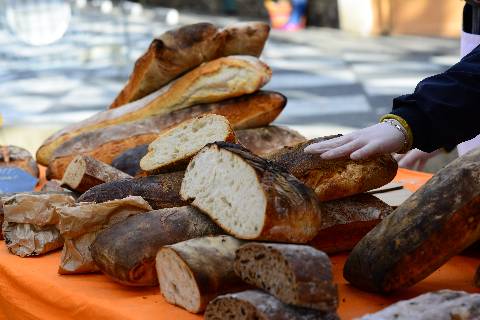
181 178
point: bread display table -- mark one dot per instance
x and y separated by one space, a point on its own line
30 288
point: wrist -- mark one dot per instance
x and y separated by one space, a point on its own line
402 126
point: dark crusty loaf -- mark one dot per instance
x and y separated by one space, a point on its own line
126 251
476 279
258 305
295 274
439 305
437 222
264 140
338 178
160 191
12 156
193 272
249 197
346 221
129 161
249 111
180 50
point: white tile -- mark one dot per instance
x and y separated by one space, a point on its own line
327 78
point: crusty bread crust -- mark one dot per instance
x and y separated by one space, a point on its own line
213 81
264 140
180 50
334 179
249 111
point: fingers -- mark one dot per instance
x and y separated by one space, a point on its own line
421 164
323 146
366 151
343 150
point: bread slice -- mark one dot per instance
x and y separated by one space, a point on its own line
173 149
180 50
338 178
295 274
438 305
213 81
12 156
264 140
126 251
84 172
346 221
249 197
437 222
258 305
249 111
193 272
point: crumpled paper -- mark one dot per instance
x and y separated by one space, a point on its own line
80 224
29 225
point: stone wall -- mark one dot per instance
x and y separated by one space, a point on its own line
320 12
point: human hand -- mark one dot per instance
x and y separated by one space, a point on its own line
415 159
380 138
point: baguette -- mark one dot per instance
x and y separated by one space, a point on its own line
84 172
180 50
249 197
12 156
437 222
80 224
193 272
258 305
264 140
439 305
129 161
346 221
334 179
126 251
211 82
173 149
250 111
160 191
295 274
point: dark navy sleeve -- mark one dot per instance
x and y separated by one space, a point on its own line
444 110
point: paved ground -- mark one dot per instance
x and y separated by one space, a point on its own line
334 81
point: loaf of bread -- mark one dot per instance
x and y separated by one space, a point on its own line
29 225
126 251
53 186
295 274
439 305
85 172
160 191
346 221
129 161
258 305
437 222
180 50
264 140
249 197
12 156
80 224
249 111
213 81
173 149
193 272
338 178
476 279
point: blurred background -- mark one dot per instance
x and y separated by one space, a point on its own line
339 62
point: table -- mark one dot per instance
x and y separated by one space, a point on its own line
30 288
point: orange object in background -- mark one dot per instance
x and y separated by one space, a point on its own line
30 288
279 12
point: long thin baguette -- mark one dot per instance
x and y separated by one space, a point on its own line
180 50
193 272
211 82
334 179
437 222
126 251
298 275
160 191
249 111
249 197
85 172
258 305
173 149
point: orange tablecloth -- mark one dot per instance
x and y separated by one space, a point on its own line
30 288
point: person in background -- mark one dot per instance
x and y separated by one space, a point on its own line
443 111
297 19
287 15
